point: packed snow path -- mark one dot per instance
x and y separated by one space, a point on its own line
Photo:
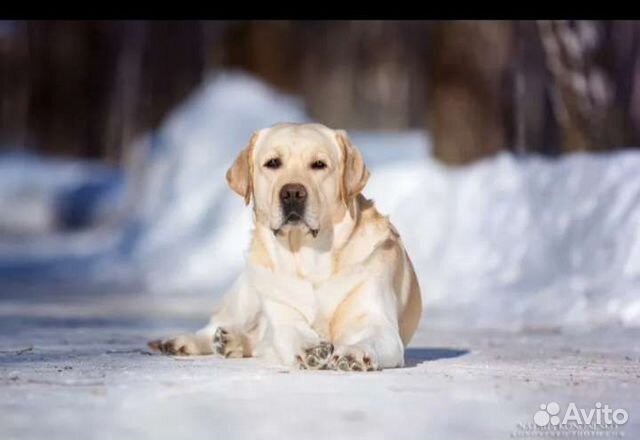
73 368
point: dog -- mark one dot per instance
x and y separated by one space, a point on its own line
328 283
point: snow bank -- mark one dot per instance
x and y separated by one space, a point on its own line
188 229
39 196
506 242
522 242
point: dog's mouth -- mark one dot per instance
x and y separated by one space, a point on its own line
295 219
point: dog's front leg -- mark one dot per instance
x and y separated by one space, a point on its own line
231 331
365 330
290 340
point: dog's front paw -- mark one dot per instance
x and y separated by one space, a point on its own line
316 357
181 345
227 344
352 358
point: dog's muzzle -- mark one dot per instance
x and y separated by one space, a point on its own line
293 198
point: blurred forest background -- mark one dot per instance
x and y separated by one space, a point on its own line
87 88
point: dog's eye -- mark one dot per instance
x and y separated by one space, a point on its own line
274 163
318 165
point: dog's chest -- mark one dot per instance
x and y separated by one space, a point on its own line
313 266
307 264
306 283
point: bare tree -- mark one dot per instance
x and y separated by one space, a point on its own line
588 105
470 89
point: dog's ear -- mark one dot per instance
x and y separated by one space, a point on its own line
354 172
240 175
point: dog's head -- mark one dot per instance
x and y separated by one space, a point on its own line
299 175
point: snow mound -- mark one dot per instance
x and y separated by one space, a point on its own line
506 242
41 196
188 229
522 242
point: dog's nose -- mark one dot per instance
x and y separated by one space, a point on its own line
293 193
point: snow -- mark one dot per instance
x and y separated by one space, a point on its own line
41 196
186 212
509 242
531 241
81 369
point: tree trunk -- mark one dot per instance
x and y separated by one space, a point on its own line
470 89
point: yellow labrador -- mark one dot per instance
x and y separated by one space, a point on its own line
328 283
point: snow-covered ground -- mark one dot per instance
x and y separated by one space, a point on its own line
81 370
529 267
